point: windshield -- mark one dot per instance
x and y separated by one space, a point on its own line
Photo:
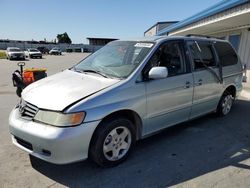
14 50
33 50
117 59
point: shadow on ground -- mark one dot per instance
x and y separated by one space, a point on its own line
175 155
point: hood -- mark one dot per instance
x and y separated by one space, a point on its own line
21 53
62 89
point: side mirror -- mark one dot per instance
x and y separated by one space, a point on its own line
158 73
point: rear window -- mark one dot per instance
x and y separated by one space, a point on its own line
14 50
226 53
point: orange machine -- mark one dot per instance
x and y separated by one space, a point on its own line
33 74
25 77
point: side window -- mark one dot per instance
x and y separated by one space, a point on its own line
226 54
169 55
202 54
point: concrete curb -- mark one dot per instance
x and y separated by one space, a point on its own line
245 94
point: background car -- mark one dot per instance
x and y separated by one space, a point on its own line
55 51
43 50
33 53
15 53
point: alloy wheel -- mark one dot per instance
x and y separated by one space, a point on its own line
117 143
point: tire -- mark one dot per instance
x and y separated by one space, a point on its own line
112 142
225 104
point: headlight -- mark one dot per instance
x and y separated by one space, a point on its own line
59 119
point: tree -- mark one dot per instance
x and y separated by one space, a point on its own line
63 38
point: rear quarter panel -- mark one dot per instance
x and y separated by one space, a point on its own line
233 75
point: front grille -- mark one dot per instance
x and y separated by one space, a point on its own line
24 143
27 110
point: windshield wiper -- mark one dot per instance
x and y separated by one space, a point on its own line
92 71
96 72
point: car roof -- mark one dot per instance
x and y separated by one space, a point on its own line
163 38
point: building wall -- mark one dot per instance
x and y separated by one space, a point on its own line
157 28
63 47
163 26
244 50
151 32
244 45
99 41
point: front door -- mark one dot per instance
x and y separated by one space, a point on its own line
169 100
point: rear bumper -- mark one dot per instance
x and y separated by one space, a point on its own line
54 53
239 89
35 55
52 144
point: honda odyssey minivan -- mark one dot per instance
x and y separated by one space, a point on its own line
124 92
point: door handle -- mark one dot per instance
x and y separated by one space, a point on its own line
187 85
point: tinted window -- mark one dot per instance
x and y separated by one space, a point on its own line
169 55
14 50
33 50
202 54
227 55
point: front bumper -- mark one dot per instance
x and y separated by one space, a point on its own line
52 144
17 56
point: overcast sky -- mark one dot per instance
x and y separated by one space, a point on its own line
39 19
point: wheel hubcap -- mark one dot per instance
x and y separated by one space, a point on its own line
117 143
227 104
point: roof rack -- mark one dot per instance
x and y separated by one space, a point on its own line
204 36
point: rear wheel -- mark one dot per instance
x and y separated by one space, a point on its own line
112 142
225 104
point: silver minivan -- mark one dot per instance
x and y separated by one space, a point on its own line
124 92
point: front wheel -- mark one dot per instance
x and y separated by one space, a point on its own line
225 104
112 142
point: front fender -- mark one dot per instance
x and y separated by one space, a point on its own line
124 97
